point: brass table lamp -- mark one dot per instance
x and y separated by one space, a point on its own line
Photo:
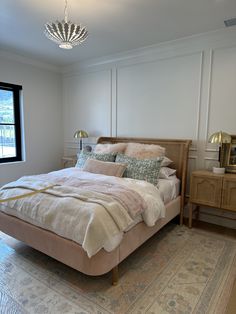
220 138
80 134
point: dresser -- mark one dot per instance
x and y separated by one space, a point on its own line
213 190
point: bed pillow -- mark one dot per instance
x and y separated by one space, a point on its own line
84 155
144 151
166 162
104 167
110 148
145 169
166 173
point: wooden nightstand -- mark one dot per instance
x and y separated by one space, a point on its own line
68 161
213 190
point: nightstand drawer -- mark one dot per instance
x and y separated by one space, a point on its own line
206 190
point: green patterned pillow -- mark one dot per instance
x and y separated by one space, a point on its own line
84 155
141 169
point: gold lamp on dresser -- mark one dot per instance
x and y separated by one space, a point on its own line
80 134
220 138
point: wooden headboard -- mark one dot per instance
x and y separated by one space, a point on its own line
176 150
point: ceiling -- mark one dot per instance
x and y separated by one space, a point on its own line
114 26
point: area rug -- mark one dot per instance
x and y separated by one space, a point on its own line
179 270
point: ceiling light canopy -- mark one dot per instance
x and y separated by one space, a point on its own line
65 33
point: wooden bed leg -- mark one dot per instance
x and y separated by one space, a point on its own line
190 215
115 276
181 220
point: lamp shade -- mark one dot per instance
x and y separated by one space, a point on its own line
220 138
80 134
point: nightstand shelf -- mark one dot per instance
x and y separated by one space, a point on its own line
212 190
69 161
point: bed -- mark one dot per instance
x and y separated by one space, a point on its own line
72 253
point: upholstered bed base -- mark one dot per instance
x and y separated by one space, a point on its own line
72 254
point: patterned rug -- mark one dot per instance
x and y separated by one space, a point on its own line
177 271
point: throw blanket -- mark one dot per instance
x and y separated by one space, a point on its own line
75 206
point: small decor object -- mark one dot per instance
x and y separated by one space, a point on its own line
220 138
80 134
65 33
230 155
218 170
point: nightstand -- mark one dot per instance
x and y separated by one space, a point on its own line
68 161
212 190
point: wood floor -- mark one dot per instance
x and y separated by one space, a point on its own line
231 233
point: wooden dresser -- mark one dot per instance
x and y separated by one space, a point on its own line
213 190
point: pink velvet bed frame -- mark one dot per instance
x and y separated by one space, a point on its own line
72 254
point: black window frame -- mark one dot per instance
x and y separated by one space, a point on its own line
16 90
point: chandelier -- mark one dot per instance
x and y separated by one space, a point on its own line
65 33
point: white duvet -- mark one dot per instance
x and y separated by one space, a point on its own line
94 222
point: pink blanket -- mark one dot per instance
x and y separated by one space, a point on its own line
128 198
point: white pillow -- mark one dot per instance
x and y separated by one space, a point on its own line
166 173
110 148
166 162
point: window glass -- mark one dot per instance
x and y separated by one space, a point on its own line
6 106
10 128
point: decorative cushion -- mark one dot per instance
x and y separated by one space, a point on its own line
104 167
84 155
144 151
145 169
110 148
166 173
87 148
166 162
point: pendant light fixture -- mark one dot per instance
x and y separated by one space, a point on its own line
65 33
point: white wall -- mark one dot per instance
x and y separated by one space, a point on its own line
180 89
42 114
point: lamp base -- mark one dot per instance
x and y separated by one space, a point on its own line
218 170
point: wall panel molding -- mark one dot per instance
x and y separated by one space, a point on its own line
114 102
89 103
221 79
134 67
199 95
209 95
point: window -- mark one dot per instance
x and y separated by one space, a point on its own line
10 123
